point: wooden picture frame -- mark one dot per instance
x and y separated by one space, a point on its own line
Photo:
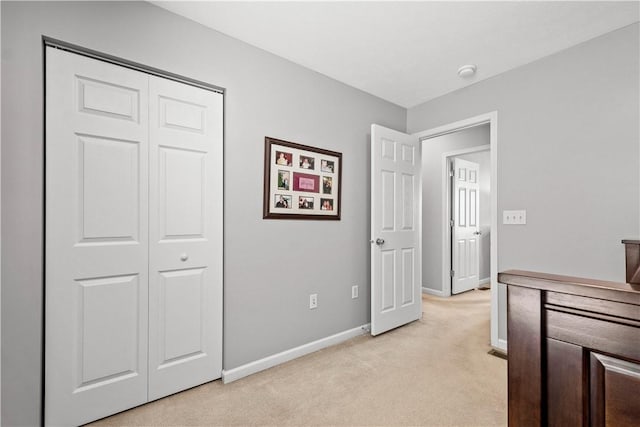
301 182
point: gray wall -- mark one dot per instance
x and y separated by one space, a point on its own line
568 153
483 159
432 220
266 311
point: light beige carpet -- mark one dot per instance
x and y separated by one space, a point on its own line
433 372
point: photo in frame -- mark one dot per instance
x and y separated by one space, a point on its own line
301 182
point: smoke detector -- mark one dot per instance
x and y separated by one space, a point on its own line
467 71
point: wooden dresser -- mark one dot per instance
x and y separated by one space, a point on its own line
574 351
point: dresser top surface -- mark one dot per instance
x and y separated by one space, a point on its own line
615 291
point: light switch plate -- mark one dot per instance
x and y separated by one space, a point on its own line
514 217
313 301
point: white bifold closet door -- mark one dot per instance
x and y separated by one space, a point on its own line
185 235
133 236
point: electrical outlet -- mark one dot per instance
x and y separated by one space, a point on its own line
313 301
514 217
354 292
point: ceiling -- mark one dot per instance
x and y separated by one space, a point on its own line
409 52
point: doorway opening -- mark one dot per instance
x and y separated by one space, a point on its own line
455 184
470 139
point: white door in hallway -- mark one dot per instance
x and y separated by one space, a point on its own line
96 262
133 261
466 229
185 233
396 270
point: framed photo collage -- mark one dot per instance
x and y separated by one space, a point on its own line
301 182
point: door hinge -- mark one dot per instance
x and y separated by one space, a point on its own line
452 173
452 273
451 223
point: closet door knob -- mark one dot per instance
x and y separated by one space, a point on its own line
184 257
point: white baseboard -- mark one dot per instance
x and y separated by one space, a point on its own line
502 345
287 355
484 281
430 291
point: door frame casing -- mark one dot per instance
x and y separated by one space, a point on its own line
105 57
492 119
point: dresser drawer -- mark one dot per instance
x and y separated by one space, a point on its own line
608 335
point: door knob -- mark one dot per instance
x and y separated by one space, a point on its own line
477 233
184 257
379 241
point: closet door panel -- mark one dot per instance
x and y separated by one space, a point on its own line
185 229
96 239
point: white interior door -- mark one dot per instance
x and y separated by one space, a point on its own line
396 270
133 270
96 263
466 230
185 294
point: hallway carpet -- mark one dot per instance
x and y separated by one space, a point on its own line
432 372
